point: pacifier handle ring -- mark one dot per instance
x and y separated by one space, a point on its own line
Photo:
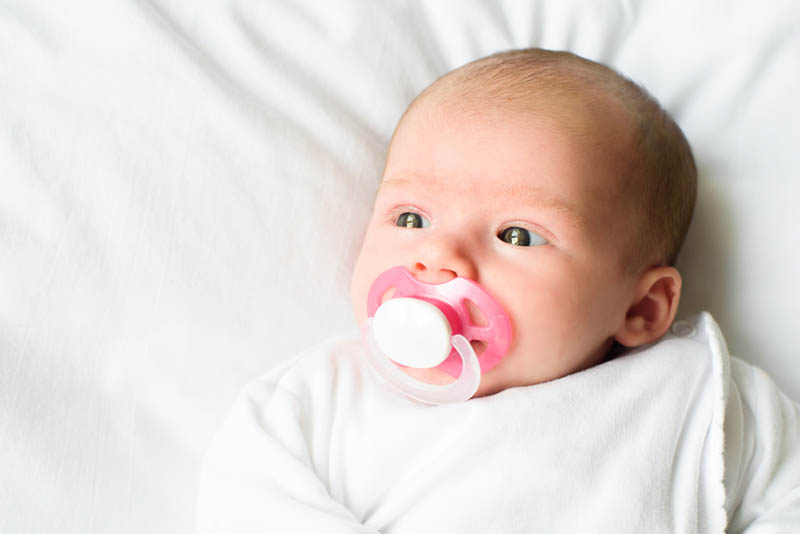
461 390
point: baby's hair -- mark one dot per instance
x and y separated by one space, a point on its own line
664 179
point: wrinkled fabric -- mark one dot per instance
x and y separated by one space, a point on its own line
184 186
674 437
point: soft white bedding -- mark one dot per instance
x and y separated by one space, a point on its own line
636 445
184 184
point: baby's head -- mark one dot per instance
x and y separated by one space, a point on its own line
559 186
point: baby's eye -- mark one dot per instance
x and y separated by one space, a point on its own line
521 237
412 220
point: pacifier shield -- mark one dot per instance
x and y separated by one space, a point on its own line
450 299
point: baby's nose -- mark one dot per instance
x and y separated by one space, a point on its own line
440 264
432 276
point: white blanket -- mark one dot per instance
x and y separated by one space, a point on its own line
638 444
184 186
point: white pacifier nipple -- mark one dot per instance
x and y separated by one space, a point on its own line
412 332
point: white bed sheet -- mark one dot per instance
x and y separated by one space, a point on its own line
184 186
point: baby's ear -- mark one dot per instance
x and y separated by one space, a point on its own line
654 306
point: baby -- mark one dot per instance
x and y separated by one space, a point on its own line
563 191
557 185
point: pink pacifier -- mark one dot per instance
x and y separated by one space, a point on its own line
428 325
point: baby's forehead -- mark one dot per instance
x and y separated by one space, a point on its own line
505 146
568 133
588 120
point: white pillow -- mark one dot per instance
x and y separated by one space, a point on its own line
185 188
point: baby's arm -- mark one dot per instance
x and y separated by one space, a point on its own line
762 450
258 476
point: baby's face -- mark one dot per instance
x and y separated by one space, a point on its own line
531 208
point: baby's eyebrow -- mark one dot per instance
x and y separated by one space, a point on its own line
526 194
399 181
539 197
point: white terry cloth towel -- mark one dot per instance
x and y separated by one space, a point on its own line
639 444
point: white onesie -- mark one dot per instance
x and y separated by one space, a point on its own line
322 445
